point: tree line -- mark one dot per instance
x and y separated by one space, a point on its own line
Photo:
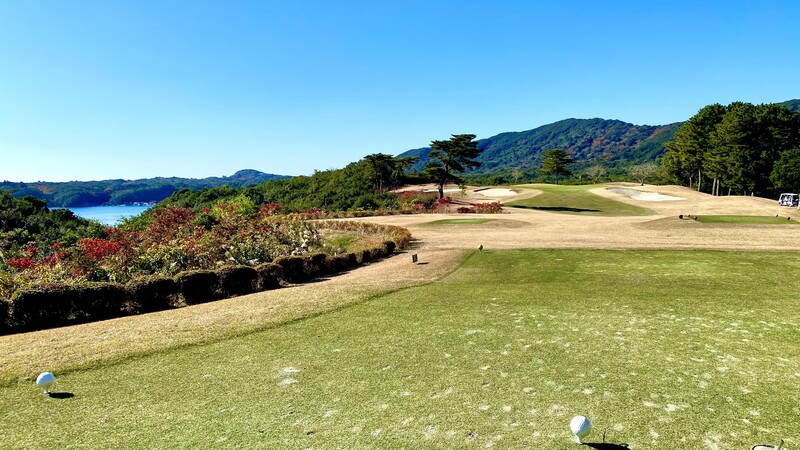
740 148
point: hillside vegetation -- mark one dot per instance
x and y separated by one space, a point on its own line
612 143
118 192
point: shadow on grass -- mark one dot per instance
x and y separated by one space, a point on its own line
61 395
556 208
605 446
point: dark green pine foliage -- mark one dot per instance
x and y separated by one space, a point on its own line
786 172
449 158
28 220
363 185
735 148
555 162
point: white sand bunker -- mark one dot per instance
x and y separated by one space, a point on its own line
495 192
645 196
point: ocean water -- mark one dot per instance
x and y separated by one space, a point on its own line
108 215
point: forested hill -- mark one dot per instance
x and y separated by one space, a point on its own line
588 141
792 105
120 192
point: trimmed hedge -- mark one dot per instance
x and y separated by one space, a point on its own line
4 310
315 265
54 305
269 276
293 269
364 256
152 294
343 262
235 281
198 286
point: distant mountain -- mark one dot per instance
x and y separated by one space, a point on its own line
613 143
121 192
792 105
588 141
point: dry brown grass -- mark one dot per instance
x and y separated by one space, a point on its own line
441 248
62 349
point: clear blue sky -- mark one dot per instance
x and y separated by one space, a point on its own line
104 89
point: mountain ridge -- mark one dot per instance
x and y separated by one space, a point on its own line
609 142
121 191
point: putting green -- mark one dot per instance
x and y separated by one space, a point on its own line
577 200
459 221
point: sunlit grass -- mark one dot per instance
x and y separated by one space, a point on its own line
665 349
577 200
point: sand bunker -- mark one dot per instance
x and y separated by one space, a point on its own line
645 196
495 192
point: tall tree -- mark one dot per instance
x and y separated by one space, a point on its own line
386 170
379 168
786 172
555 162
686 152
450 157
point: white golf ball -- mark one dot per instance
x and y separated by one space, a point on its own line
45 380
580 427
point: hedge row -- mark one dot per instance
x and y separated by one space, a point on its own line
54 305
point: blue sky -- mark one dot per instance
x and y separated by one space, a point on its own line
96 89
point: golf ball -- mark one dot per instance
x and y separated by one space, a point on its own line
45 380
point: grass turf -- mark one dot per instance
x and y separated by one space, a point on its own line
665 349
577 200
750 220
459 221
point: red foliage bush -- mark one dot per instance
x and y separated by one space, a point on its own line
272 209
488 208
23 263
168 220
97 249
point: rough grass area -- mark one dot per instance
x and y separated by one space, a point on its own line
459 221
664 349
577 200
751 220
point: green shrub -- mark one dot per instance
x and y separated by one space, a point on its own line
198 286
99 301
152 293
235 281
53 305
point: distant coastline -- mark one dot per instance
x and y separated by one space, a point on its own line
110 215
80 194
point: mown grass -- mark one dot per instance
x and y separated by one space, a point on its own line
577 200
748 220
665 349
459 221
